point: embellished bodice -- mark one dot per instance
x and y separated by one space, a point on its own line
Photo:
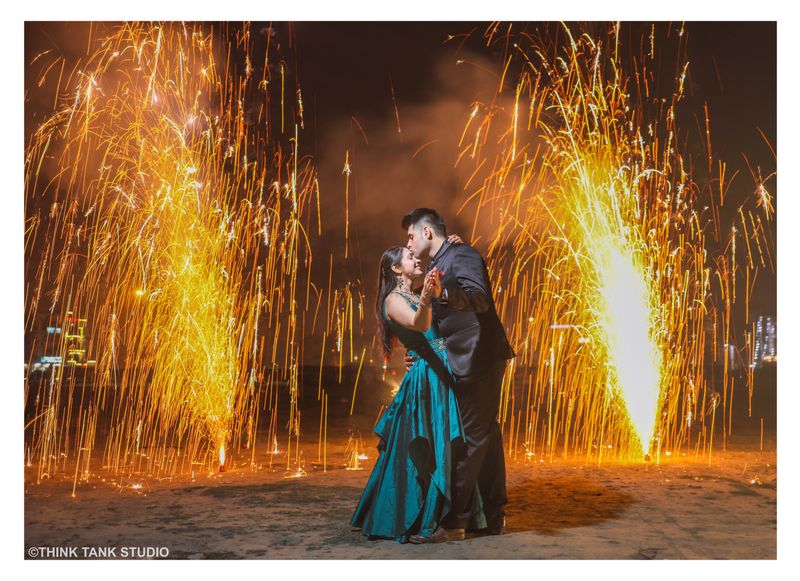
412 340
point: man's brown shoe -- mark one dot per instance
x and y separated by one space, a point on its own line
440 535
496 528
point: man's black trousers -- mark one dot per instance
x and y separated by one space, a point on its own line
481 460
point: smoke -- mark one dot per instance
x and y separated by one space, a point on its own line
396 167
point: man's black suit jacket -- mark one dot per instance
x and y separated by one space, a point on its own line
473 334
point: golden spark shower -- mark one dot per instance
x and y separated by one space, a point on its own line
601 248
180 252
179 216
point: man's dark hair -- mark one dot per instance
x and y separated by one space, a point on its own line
430 218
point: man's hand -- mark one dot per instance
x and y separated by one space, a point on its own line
409 361
455 239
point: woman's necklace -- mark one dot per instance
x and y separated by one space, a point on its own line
412 297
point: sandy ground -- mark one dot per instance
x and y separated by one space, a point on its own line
680 509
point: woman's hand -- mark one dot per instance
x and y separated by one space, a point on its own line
455 239
437 275
431 288
426 296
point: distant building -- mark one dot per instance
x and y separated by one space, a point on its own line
770 351
69 345
764 341
75 339
733 357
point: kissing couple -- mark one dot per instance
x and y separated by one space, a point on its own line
441 469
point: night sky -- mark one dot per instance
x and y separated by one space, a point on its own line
347 70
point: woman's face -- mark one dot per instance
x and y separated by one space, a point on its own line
410 266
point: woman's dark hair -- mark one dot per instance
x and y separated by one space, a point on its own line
387 281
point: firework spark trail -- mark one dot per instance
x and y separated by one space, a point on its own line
183 229
185 233
600 250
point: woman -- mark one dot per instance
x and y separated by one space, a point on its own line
408 492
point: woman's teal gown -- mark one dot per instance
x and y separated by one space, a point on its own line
408 492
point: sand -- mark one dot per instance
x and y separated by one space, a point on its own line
681 508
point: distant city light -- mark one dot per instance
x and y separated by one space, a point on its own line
764 340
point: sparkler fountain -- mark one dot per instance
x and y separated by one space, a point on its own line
166 195
182 224
599 246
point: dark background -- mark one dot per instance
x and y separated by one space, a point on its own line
359 78
347 72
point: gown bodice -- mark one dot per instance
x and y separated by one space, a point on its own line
414 340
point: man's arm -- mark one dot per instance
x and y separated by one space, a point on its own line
470 294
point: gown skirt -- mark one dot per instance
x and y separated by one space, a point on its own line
408 491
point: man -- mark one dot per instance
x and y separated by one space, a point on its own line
477 349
